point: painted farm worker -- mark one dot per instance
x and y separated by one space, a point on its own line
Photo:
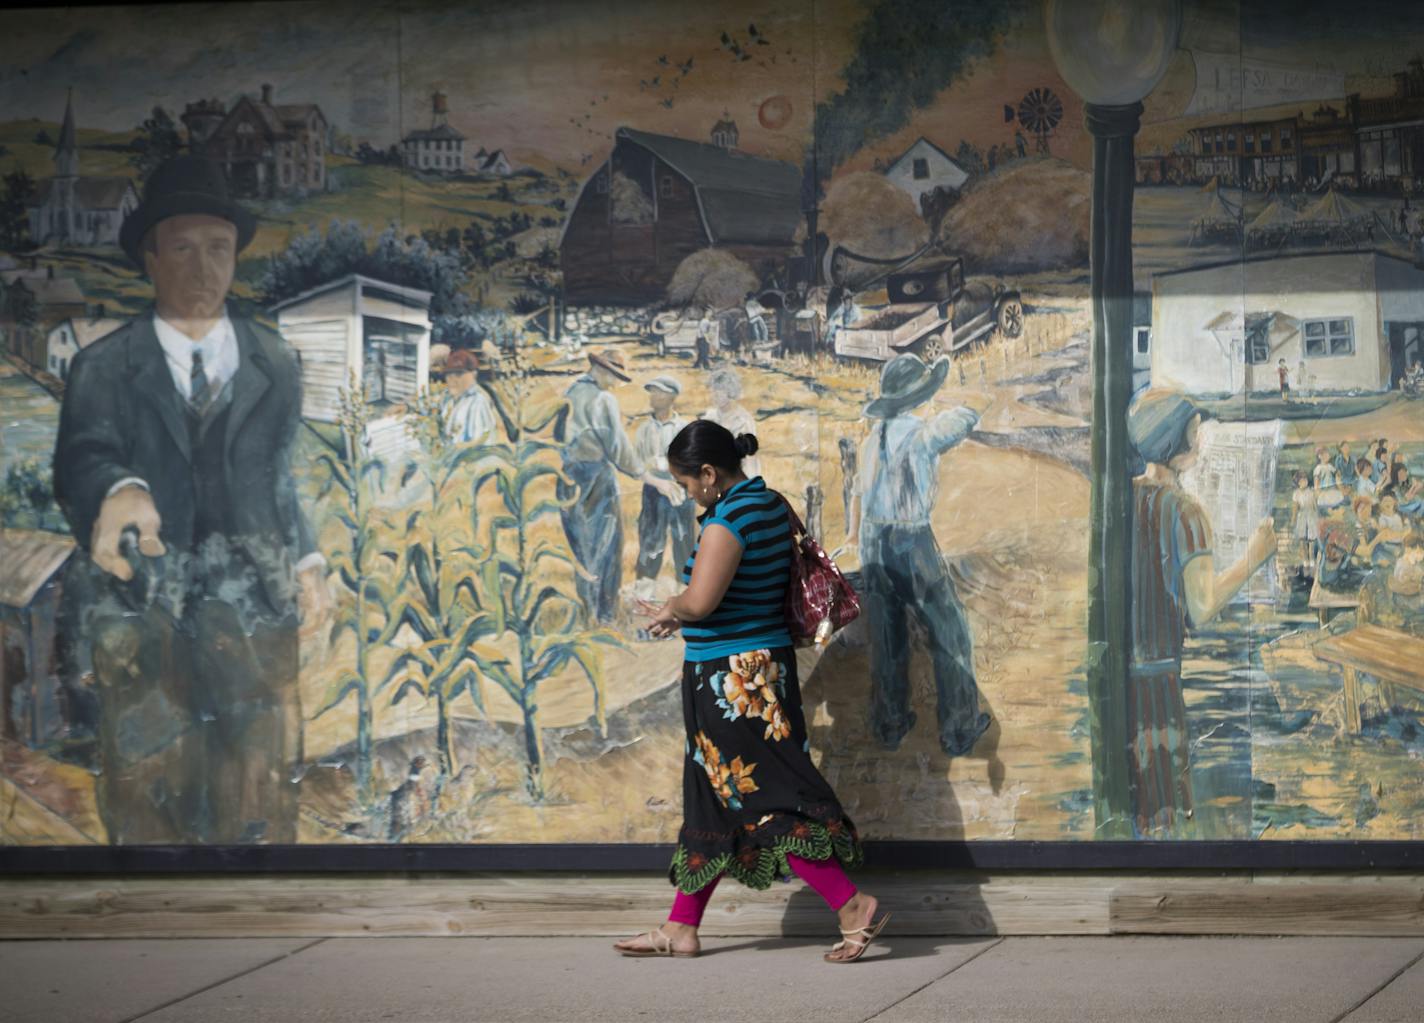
727 409
901 566
705 329
173 468
469 410
1175 586
661 518
595 448
754 805
756 318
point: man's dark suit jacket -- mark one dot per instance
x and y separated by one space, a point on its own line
123 417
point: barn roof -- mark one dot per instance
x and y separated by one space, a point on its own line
743 198
31 560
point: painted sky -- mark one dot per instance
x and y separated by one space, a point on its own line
550 80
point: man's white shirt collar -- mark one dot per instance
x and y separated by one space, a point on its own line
220 356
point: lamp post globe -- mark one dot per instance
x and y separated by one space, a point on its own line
1113 52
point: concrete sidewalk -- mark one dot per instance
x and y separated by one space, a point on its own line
903 979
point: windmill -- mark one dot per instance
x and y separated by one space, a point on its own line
1039 112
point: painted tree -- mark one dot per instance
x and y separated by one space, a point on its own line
521 573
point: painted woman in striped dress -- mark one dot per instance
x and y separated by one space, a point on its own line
1175 587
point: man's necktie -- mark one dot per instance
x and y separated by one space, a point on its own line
199 390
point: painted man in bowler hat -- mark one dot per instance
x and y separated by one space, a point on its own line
173 468
596 447
901 567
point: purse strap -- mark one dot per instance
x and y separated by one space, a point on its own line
797 527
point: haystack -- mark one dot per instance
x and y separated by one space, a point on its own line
1030 216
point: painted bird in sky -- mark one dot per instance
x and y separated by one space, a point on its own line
685 67
756 36
667 102
663 60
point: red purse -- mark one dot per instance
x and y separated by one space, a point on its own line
819 600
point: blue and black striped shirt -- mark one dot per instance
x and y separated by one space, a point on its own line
752 614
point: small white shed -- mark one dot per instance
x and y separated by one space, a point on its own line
358 329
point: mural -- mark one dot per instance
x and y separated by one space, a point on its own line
338 377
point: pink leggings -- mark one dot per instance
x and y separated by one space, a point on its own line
825 876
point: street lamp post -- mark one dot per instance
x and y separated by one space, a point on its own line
1112 53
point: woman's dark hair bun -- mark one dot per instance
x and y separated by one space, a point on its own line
746 444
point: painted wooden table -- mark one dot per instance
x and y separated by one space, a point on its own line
1391 656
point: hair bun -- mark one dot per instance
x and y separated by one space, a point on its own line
746 444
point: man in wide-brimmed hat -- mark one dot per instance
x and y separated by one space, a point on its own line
900 561
595 445
172 467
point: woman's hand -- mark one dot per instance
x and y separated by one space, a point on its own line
664 622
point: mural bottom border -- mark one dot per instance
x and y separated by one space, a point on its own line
628 857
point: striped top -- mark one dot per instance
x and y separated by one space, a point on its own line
752 614
1169 530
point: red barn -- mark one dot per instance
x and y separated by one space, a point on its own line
658 199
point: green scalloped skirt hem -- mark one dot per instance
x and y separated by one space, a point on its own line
770 863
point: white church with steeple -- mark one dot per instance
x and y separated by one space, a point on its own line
70 209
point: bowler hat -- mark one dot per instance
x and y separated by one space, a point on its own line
179 185
611 361
905 383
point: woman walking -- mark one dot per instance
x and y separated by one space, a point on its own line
754 806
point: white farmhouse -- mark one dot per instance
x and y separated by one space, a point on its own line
1341 321
924 167
70 336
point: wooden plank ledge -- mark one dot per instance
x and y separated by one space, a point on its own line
924 903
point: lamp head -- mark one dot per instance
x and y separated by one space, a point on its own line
1113 52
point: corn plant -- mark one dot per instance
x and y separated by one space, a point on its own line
357 477
440 572
547 622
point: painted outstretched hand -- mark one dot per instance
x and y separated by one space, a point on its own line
129 508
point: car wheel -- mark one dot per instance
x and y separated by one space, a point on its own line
1011 318
932 347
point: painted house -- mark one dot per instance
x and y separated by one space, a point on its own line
439 149
658 199
922 168
31 707
359 329
1342 321
74 209
495 163
270 149
51 300
73 335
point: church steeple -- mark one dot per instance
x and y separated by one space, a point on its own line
66 153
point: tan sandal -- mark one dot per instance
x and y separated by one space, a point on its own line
870 932
661 948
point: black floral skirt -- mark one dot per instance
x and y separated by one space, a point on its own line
750 793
